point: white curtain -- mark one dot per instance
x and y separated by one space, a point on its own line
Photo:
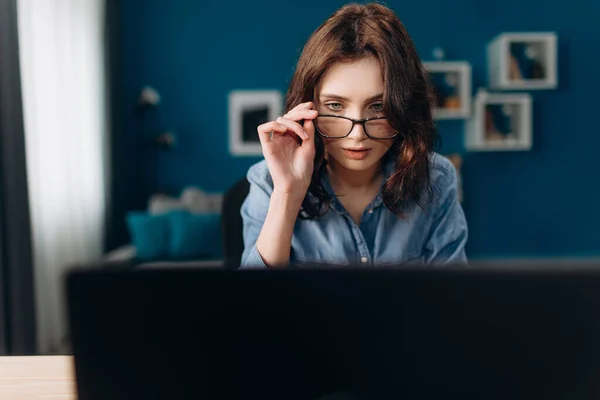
63 83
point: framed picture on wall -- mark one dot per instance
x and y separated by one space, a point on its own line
451 82
500 122
247 110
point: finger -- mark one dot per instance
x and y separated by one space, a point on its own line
304 106
272 126
264 130
309 126
308 146
294 127
300 114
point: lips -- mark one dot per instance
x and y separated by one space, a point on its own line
357 154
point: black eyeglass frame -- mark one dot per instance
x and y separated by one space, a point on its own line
361 122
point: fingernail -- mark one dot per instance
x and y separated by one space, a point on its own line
305 135
283 126
312 112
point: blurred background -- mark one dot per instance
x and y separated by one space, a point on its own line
116 114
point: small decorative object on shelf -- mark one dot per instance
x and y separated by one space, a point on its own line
248 110
149 97
165 140
500 122
523 61
452 86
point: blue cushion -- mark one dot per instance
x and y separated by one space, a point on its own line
195 236
150 234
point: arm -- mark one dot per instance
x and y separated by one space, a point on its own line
448 236
269 214
269 217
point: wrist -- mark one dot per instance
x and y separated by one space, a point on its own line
288 199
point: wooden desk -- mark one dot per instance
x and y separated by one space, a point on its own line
37 377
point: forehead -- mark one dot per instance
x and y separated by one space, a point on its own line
355 80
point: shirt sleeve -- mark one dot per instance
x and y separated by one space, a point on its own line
254 212
448 236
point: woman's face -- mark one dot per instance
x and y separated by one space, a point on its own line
355 90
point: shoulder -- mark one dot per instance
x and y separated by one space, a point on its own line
441 168
443 177
258 175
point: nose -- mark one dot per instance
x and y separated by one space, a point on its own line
358 132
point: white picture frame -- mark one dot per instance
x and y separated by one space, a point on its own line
461 72
247 110
542 48
519 137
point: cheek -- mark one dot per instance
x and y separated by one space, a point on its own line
385 145
330 144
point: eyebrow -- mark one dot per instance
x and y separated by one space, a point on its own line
343 98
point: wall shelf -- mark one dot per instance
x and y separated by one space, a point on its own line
523 61
500 122
452 85
247 110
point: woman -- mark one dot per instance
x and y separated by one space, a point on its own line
350 175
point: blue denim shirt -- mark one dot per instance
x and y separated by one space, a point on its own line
436 234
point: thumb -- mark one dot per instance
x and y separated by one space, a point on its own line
309 127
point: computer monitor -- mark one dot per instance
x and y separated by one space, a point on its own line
318 333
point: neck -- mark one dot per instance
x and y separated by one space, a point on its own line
342 178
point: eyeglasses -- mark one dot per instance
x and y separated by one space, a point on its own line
338 127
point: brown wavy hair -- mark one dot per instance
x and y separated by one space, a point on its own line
354 32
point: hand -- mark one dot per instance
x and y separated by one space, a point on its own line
289 149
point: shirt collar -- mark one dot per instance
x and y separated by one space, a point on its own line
388 168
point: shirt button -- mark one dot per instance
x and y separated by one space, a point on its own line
364 259
370 211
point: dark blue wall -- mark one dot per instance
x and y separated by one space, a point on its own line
540 203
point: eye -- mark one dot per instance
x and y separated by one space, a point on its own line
377 107
334 106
